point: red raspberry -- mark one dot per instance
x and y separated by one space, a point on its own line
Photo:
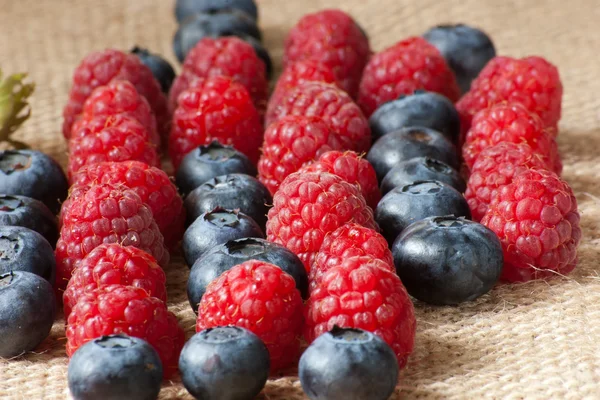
333 38
496 166
510 122
120 97
353 169
101 67
130 310
327 101
262 298
351 240
225 56
537 222
105 214
150 183
531 81
360 294
295 75
110 138
307 207
113 264
216 108
409 65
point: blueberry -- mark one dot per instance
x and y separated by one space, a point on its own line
422 169
466 49
186 8
216 227
224 363
22 249
29 213
225 256
404 144
348 364
27 311
425 109
233 192
209 161
216 23
419 200
161 68
115 367
448 260
33 174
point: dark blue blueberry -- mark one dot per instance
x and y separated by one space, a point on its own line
233 192
217 227
22 249
419 200
27 311
186 8
224 363
161 68
209 161
225 256
348 364
216 23
422 169
467 50
426 109
396 147
33 174
115 367
447 260
29 213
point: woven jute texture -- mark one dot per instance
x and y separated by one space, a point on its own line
539 340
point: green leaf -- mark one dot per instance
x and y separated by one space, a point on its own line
14 105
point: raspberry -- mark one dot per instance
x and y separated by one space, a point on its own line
225 56
496 166
129 310
216 108
120 97
150 183
537 221
295 75
409 65
359 294
260 297
353 169
510 122
327 101
351 240
98 69
307 207
531 81
110 138
105 214
114 264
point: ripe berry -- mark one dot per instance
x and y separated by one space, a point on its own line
208 161
421 169
186 8
27 311
28 213
537 221
267 303
33 174
22 249
348 363
161 68
447 260
240 373
214 228
419 200
407 143
115 367
223 257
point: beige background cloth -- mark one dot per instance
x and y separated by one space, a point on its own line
537 340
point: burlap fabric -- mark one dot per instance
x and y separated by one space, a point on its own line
538 340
